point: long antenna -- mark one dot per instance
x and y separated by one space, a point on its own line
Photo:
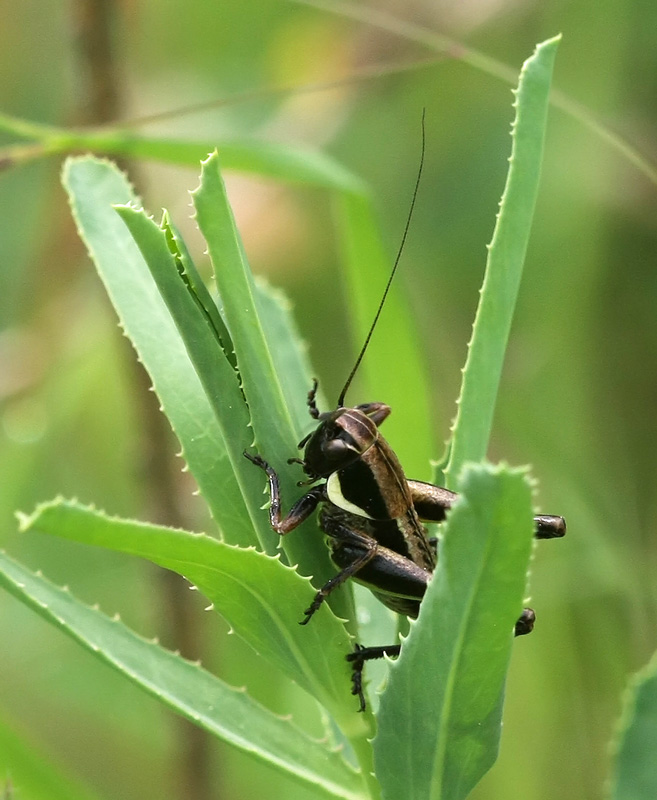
392 274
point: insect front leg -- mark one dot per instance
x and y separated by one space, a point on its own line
549 526
299 512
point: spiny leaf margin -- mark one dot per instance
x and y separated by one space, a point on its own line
228 713
506 255
441 712
257 594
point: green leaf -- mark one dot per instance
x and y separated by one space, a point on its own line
261 384
215 372
197 288
187 322
440 717
635 771
260 597
506 256
289 355
94 187
276 431
230 714
267 159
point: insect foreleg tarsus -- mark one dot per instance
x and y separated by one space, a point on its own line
311 402
364 546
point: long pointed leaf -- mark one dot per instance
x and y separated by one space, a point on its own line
216 374
230 714
506 256
276 431
290 354
94 187
259 597
440 717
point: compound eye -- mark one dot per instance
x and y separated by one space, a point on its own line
335 448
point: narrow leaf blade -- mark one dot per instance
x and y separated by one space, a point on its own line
440 717
506 256
290 354
230 714
216 374
94 187
262 599
276 431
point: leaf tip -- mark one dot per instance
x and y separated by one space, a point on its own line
24 520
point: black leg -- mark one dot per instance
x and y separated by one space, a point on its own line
358 658
365 545
312 405
362 654
432 503
549 527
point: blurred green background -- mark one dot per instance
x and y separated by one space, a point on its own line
578 395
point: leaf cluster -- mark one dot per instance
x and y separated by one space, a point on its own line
231 375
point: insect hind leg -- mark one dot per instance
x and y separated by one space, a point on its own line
358 658
360 655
